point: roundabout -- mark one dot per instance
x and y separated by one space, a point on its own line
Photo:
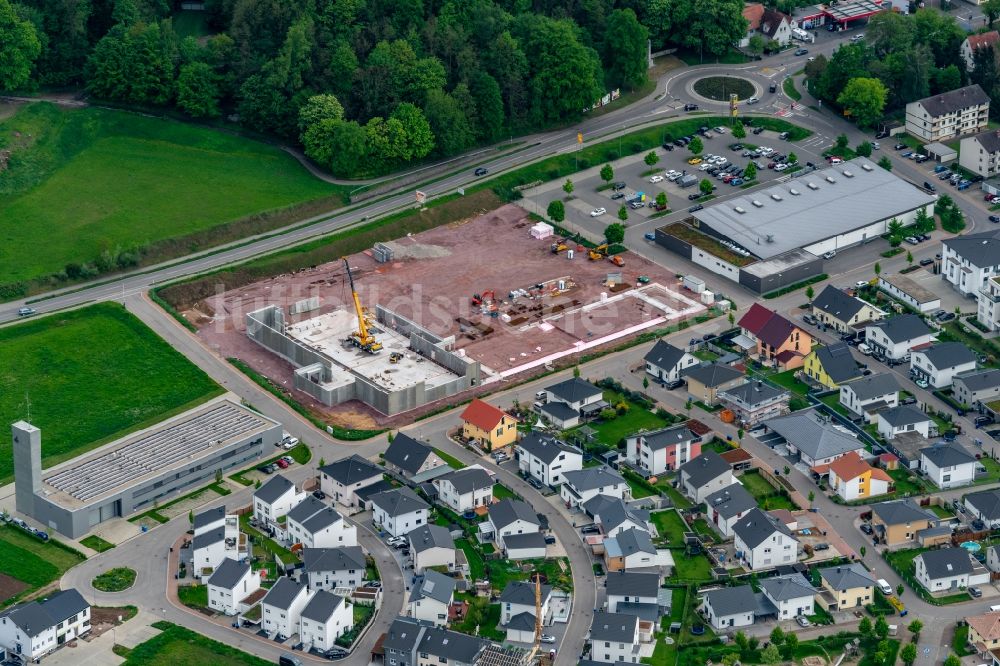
115 580
719 88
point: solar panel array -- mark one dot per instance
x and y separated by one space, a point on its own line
155 451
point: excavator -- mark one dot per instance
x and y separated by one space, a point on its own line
598 252
559 246
361 338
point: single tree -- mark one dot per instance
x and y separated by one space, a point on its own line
864 98
651 158
878 269
568 186
191 517
863 551
753 643
865 627
909 653
952 660
218 476
992 10
791 643
810 292
705 186
730 659
899 590
688 405
614 233
788 470
739 434
645 382
576 371
793 158
739 131
864 149
757 44
842 141
771 654
322 461
731 318
750 172
915 628
391 436
885 163
777 636
812 496
623 213
696 146
742 642
19 46
909 257
607 173
556 210
881 627
661 200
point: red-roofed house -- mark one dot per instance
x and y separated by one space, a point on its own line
489 425
853 478
779 341
973 43
753 12
769 24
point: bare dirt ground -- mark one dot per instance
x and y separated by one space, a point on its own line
434 278
10 586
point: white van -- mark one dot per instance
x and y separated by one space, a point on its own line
994 609
865 349
884 586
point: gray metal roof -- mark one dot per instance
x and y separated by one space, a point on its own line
902 415
661 439
592 477
333 559
948 354
946 562
559 411
274 489
902 327
208 517
617 512
522 622
731 501
874 386
404 633
64 604
433 585
871 194
633 541
753 393
468 480
838 362
808 432
704 468
451 645
598 503
322 606
306 509
979 380
898 512
574 390
989 140
955 100
713 375
613 627
545 447
756 527
528 540
664 355
523 593
728 601
430 536
284 592
35 617
836 303
321 520
947 454
847 577
632 583
787 587
986 502
507 510
229 573
206 539
981 249
350 470
407 453
399 502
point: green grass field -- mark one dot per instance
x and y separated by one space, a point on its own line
90 180
95 542
115 580
31 560
670 526
91 375
178 646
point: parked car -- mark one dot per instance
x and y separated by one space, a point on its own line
592 528
830 255
597 212
695 209
867 528
975 592
809 319
649 236
319 494
803 621
546 638
550 539
922 383
926 262
675 384
281 462
884 587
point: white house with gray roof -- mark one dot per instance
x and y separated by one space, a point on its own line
948 465
841 312
519 597
579 486
764 542
510 516
812 436
968 261
275 499
939 363
755 402
635 592
985 505
409 458
410 642
281 608
465 489
903 419
704 475
332 568
231 584
216 537
949 570
663 450
530 546
975 388
615 515
896 336
791 594
869 394
316 525
614 638
579 395
633 550
325 618
432 546
731 607
430 597
666 362
399 511
725 507
547 458
342 479
949 114
31 630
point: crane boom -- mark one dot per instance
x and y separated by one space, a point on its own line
362 337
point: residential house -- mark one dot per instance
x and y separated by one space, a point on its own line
633 550
779 342
968 261
492 427
984 632
274 499
870 394
431 595
333 568
399 511
974 43
753 12
704 475
791 594
850 585
31 630
324 619
510 516
896 336
980 153
949 570
851 477
985 505
465 489
663 450
316 525
705 382
666 363
409 458
341 480
519 598
776 27
216 537
725 507
755 402
579 396
987 308
281 608
947 115
993 559
843 313
898 522
633 592
832 365
976 388
232 583
903 419
939 363
432 546
529 546
614 515
614 638
547 458
948 465
410 642
764 542
812 436
584 484
730 607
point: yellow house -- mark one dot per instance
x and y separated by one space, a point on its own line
898 521
491 426
849 584
984 631
852 478
831 365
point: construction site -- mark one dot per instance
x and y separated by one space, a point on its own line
419 320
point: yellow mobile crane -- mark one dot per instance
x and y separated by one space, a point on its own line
361 338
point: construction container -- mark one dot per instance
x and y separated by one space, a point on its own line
707 297
694 283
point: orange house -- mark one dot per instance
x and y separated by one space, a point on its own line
490 425
779 342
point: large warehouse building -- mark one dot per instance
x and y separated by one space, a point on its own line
129 475
777 236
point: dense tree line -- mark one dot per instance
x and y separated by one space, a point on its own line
365 85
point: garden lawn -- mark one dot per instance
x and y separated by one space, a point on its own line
82 181
476 569
833 402
670 526
691 569
635 419
193 596
178 646
450 460
787 380
32 561
906 483
92 375
960 641
756 485
941 512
